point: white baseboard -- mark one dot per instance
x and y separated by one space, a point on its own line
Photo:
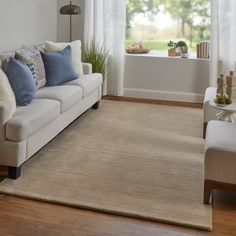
163 95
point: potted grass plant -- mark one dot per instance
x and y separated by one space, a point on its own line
172 49
96 54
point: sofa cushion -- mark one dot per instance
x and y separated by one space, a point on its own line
32 57
76 52
88 83
21 80
58 67
66 95
28 120
4 58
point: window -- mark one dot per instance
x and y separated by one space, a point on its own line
156 22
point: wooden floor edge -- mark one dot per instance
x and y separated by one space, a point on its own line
154 101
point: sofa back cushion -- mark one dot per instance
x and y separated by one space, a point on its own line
4 58
32 57
58 67
6 93
75 52
21 81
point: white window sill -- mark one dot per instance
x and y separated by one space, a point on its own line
157 54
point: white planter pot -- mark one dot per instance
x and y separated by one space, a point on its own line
178 51
184 55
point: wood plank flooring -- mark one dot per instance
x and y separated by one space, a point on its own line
23 217
154 101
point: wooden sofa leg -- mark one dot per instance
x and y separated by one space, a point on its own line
14 172
204 129
208 189
96 105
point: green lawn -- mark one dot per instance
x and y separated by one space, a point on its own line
159 45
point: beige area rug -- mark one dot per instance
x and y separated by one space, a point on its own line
137 160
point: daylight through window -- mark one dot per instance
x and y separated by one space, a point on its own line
156 22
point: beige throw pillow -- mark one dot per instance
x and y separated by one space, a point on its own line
75 49
6 92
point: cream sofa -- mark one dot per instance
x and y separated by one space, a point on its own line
53 109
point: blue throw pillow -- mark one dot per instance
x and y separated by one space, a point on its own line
22 81
58 67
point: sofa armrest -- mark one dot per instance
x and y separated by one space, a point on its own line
5 114
87 68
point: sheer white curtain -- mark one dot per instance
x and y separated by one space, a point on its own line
223 38
105 20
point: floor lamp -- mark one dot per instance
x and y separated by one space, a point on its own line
70 10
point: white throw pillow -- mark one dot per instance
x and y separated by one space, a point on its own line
75 49
6 92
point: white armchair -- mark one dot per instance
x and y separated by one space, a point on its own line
220 158
209 112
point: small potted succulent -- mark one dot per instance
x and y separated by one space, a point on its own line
172 49
180 46
184 53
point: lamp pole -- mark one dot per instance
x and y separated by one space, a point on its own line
70 25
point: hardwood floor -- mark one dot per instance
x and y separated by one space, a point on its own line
32 218
25 217
154 101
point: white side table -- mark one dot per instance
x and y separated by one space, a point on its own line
226 112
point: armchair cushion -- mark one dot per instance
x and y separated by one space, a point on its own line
220 152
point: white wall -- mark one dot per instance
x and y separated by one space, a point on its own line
63 28
27 22
174 79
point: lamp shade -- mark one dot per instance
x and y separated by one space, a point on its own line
70 10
